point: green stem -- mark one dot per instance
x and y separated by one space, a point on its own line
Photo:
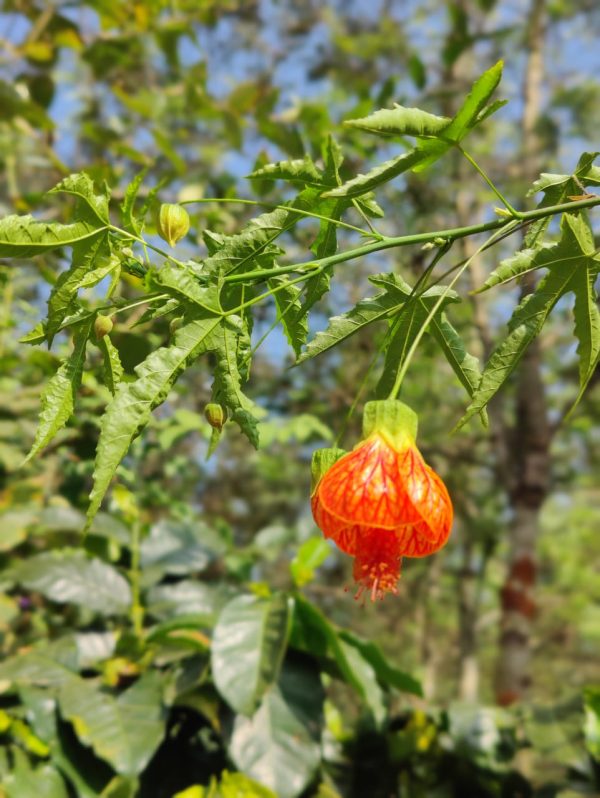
406 362
137 610
291 208
488 180
451 234
145 301
144 243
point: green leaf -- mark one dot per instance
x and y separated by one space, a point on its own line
280 744
225 344
111 264
24 780
401 121
81 186
184 283
58 397
406 327
465 366
587 324
288 304
61 302
556 191
131 408
248 647
300 170
113 370
313 633
24 236
252 247
573 265
585 172
69 577
130 222
383 173
125 731
85 772
429 150
387 674
311 554
362 314
522 262
175 548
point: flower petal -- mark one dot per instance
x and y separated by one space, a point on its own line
377 562
366 487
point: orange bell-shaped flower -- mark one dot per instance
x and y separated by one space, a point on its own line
381 502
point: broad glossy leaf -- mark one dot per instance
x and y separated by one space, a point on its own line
279 745
249 643
130 410
174 548
25 780
186 596
313 633
387 674
69 577
125 731
58 396
85 772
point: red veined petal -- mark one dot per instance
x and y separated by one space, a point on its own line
429 498
377 486
343 536
366 487
377 562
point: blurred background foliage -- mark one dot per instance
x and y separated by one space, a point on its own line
199 641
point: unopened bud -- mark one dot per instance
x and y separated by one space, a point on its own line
173 223
216 415
102 326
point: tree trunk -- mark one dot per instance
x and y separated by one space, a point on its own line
530 439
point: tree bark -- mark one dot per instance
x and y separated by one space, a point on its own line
529 480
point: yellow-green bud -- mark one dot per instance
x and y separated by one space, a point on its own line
216 415
173 223
102 326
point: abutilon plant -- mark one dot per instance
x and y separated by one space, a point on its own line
381 501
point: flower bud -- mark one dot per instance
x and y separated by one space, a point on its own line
102 326
173 223
216 415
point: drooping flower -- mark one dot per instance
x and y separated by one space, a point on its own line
381 501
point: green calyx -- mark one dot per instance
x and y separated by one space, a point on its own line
322 460
392 419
